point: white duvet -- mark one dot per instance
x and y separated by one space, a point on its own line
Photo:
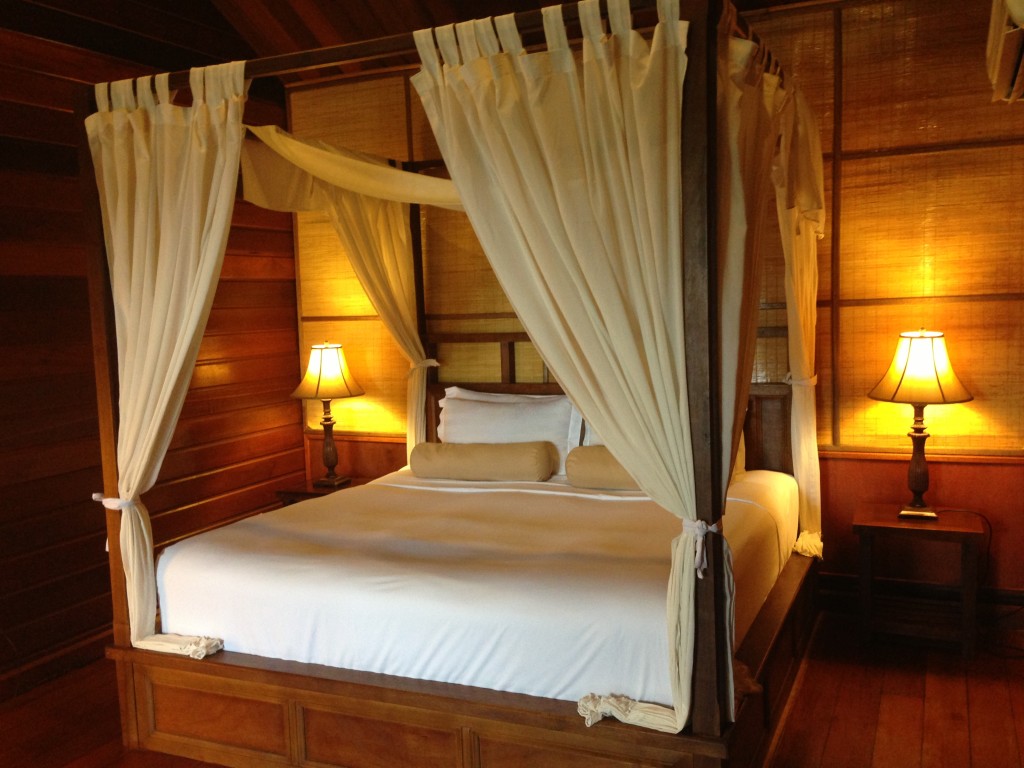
535 588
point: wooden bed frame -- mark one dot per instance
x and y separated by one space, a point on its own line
241 710
244 710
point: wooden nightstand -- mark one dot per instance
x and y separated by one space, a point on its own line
952 525
309 491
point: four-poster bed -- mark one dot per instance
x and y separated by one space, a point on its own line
238 709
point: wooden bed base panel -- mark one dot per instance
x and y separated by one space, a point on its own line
239 710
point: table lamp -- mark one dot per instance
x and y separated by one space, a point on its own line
920 374
328 378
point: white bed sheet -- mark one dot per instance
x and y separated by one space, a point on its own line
535 588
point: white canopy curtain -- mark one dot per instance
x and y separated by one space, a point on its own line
570 178
749 126
367 202
167 177
800 205
770 138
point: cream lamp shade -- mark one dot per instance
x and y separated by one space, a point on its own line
328 378
920 374
327 375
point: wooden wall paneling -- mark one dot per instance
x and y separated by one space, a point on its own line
359 456
328 286
984 486
56 606
50 60
56 591
825 367
423 144
239 395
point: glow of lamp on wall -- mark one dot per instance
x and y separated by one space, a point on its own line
920 374
328 378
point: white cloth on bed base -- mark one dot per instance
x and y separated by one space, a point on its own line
182 645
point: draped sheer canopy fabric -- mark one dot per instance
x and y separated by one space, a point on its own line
769 148
166 176
368 203
800 207
570 177
569 174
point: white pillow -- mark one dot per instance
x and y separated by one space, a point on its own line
590 436
461 393
508 419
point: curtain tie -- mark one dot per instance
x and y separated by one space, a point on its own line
700 529
427 363
112 502
811 382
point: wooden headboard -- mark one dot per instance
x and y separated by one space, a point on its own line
766 431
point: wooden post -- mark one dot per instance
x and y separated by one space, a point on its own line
700 270
104 345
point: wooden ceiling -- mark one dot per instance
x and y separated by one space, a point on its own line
176 34
280 26
173 35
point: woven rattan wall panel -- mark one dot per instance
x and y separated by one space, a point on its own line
914 74
377 364
364 115
985 341
383 116
367 116
926 227
933 224
804 42
457 276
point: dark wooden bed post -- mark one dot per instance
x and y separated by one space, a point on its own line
710 690
104 345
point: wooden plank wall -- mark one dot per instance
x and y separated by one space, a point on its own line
240 435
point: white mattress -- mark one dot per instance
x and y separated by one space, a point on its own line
534 588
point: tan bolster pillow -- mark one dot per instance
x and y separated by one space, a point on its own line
484 461
593 466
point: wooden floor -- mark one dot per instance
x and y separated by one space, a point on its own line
72 722
894 703
884 705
